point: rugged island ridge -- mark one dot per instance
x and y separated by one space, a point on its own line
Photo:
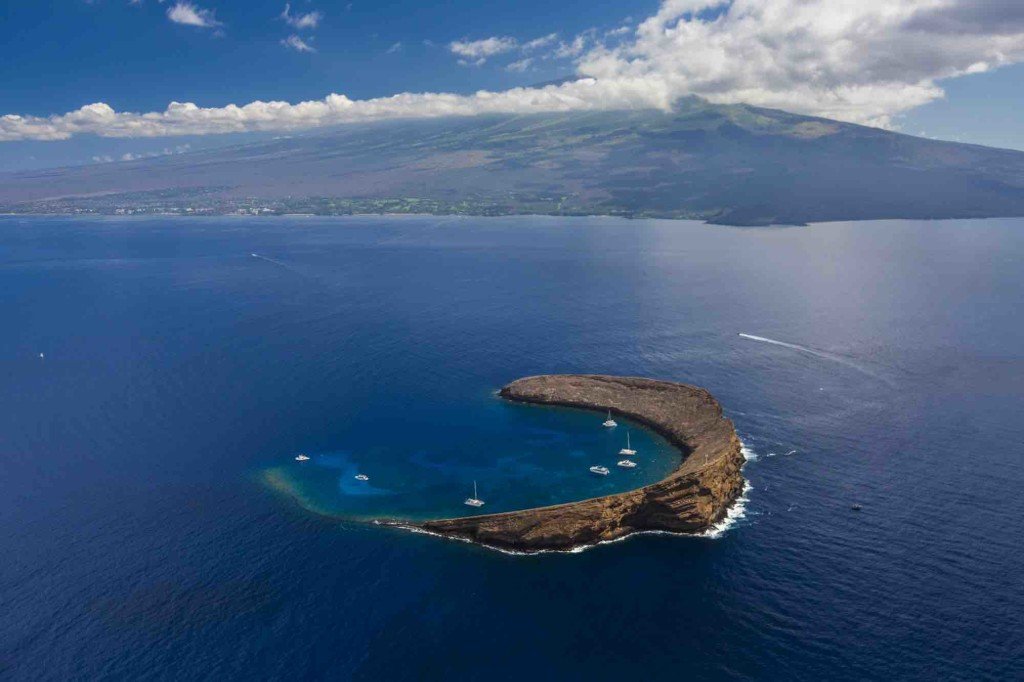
731 164
695 496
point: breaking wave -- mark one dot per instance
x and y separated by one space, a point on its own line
734 514
748 452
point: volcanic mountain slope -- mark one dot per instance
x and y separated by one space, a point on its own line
732 164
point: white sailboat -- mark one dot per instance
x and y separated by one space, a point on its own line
628 451
627 463
609 422
599 470
474 501
301 458
362 477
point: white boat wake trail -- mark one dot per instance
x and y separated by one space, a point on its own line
270 260
281 264
816 353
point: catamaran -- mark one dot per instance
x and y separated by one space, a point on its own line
474 501
609 422
628 451
362 477
599 470
627 463
302 458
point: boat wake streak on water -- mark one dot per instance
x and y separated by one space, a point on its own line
816 353
271 260
324 283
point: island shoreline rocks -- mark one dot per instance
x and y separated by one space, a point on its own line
691 499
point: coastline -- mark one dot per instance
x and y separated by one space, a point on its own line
691 500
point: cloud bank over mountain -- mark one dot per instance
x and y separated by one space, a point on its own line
863 61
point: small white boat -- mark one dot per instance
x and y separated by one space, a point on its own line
609 422
302 458
599 470
627 463
362 477
627 451
474 501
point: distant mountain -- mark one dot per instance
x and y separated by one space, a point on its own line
732 164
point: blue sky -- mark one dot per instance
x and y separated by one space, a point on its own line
58 55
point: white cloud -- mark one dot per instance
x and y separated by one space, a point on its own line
189 119
538 43
857 60
478 51
396 47
294 42
191 15
520 65
572 49
129 156
308 20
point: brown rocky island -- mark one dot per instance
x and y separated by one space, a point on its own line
691 499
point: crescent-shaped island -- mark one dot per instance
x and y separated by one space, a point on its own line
691 499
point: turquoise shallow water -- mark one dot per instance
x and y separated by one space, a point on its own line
519 456
154 524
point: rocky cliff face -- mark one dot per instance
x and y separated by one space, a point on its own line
692 498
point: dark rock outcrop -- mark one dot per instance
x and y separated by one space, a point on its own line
695 496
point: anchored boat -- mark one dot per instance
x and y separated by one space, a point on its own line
628 451
474 501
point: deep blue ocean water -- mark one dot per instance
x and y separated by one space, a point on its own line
154 524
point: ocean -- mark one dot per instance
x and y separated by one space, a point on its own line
158 381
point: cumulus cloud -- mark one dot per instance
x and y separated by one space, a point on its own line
538 43
190 15
294 42
307 20
520 65
478 51
188 119
856 60
129 156
571 49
